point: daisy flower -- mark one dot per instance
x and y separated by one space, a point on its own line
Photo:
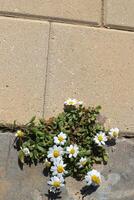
82 162
93 178
19 134
58 168
26 151
60 139
114 133
55 152
70 102
100 138
72 150
56 182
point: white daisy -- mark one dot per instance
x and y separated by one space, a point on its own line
26 151
19 134
93 177
70 102
56 182
55 152
114 133
100 138
60 139
58 168
72 150
82 162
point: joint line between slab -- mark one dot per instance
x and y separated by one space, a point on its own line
46 71
102 14
69 22
47 18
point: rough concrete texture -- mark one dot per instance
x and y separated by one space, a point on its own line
94 65
119 13
39 72
30 183
23 55
89 11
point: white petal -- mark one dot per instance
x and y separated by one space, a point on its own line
70 155
102 142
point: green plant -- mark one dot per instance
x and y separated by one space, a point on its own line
68 144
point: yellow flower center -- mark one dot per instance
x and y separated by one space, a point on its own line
83 163
60 169
56 153
60 138
71 102
20 133
95 179
72 151
56 183
100 138
115 134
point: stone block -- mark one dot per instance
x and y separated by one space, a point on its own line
23 47
25 183
93 65
119 14
88 11
4 153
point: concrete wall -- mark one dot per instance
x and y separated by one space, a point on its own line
54 49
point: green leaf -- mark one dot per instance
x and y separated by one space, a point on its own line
40 148
21 156
80 126
105 158
31 154
33 119
39 133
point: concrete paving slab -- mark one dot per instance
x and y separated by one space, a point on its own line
89 11
119 14
94 65
23 52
